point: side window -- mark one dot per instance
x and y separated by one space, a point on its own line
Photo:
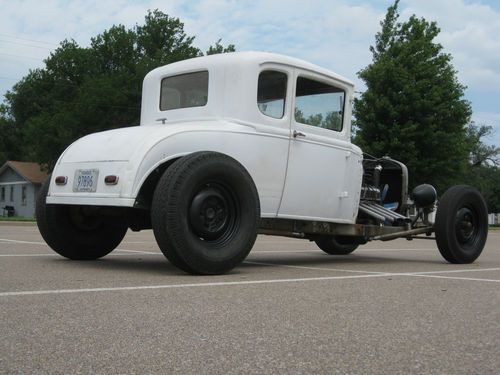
319 104
184 91
271 93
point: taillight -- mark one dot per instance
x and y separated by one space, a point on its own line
61 180
111 180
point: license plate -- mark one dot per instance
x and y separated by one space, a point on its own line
85 180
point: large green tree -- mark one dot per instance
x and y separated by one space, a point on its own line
84 90
413 108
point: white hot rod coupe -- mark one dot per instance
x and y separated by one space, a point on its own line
237 144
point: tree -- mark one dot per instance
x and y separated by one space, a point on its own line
219 48
482 154
413 108
487 180
84 90
482 171
10 139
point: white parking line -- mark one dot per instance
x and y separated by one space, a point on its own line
174 286
418 273
234 283
464 270
456 278
28 255
136 242
6 240
50 255
139 252
316 268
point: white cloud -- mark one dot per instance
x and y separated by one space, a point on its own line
471 33
329 33
335 34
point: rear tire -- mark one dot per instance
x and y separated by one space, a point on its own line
77 232
205 213
334 246
461 224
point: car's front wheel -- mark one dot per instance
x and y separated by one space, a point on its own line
78 232
205 213
461 224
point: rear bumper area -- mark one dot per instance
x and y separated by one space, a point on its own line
101 194
91 201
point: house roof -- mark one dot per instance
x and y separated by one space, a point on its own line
32 172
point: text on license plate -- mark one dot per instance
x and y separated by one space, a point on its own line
85 180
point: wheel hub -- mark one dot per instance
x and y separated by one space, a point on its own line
465 225
209 213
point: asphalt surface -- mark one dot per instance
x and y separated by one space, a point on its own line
389 308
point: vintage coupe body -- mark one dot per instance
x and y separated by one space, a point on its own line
235 144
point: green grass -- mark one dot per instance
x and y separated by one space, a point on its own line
16 218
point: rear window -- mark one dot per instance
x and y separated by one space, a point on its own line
184 91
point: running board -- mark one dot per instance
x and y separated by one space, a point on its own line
381 213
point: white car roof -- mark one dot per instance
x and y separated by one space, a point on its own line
244 58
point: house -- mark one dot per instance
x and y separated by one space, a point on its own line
19 186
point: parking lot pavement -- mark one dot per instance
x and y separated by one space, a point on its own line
390 307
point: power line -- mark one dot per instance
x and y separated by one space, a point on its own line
28 40
10 78
23 44
22 57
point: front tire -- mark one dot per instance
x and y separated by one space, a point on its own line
205 213
461 224
77 232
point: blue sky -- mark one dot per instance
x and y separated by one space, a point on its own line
335 34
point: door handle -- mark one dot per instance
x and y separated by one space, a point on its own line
298 134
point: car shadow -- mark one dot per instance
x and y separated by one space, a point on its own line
159 265
339 260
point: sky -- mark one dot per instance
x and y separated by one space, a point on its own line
335 34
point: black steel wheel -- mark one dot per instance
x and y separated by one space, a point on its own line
335 245
205 213
461 224
77 232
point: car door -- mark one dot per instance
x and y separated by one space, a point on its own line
268 149
320 149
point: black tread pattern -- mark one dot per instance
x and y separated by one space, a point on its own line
331 246
451 201
67 240
169 214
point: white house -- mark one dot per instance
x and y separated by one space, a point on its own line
19 186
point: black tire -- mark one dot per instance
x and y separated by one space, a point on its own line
335 246
461 224
77 232
205 213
